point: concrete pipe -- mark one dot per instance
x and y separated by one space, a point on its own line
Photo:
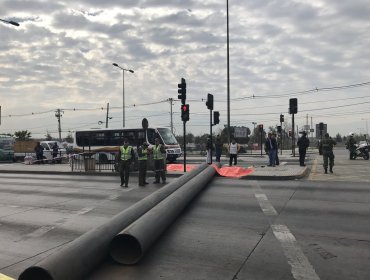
83 254
129 246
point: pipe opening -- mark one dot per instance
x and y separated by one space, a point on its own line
125 249
35 272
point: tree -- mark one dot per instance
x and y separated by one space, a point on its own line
48 137
338 138
69 138
22 135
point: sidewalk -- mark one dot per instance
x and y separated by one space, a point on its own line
289 168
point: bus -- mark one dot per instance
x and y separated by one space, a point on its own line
109 140
6 148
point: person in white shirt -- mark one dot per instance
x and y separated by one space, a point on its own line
233 152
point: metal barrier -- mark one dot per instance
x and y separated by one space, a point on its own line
92 162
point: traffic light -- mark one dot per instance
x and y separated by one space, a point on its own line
182 91
260 126
290 133
293 106
279 128
321 126
209 102
281 118
216 117
185 112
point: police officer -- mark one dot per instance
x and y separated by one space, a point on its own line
351 145
303 143
126 155
326 146
143 158
159 162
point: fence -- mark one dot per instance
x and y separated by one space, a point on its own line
93 162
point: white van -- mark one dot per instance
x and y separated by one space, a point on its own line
48 150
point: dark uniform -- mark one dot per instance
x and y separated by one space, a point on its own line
143 158
159 162
125 156
326 146
351 146
303 143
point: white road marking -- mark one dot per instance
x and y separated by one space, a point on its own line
301 267
265 204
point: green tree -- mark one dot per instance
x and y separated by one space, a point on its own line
48 137
69 138
22 135
338 138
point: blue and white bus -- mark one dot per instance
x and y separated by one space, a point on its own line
109 140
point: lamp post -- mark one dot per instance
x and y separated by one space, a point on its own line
228 74
123 90
10 22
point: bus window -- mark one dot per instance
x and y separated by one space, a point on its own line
167 136
151 135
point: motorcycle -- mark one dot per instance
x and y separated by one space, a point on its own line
362 150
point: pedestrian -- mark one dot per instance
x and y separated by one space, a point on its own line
39 150
326 146
218 148
351 145
159 153
270 148
55 152
143 158
209 149
303 143
234 148
126 156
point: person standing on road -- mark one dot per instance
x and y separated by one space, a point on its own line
125 156
39 150
270 148
303 143
234 149
351 145
209 148
159 153
55 152
326 146
277 161
218 148
143 159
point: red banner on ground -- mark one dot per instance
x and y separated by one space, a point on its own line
226 171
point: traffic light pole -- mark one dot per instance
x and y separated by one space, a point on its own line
293 137
281 138
261 141
210 131
184 124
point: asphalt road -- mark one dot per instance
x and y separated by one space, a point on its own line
315 228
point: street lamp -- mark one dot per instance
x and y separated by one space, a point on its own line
123 89
10 22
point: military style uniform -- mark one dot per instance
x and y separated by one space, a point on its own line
143 158
326 146
351 146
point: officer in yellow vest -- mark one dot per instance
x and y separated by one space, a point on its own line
143 158
126 155
159 154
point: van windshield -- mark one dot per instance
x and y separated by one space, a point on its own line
167 136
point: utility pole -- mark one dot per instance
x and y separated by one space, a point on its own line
58 114
106 119
171 104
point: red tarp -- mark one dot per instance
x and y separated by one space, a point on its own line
226 171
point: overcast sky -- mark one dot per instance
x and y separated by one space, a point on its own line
61 55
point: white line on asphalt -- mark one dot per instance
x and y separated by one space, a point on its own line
265 204
313 170
301 267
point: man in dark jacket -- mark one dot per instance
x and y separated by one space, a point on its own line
303 143
39 150
271 149
326 146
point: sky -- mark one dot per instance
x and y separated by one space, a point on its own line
61 55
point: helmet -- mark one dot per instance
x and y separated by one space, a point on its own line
351 134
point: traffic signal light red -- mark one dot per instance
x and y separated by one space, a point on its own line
185 112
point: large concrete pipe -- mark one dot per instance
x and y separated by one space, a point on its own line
129 246
82 255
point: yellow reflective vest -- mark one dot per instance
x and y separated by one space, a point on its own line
126 152
157 154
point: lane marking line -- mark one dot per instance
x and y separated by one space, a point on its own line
313 170
301 267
